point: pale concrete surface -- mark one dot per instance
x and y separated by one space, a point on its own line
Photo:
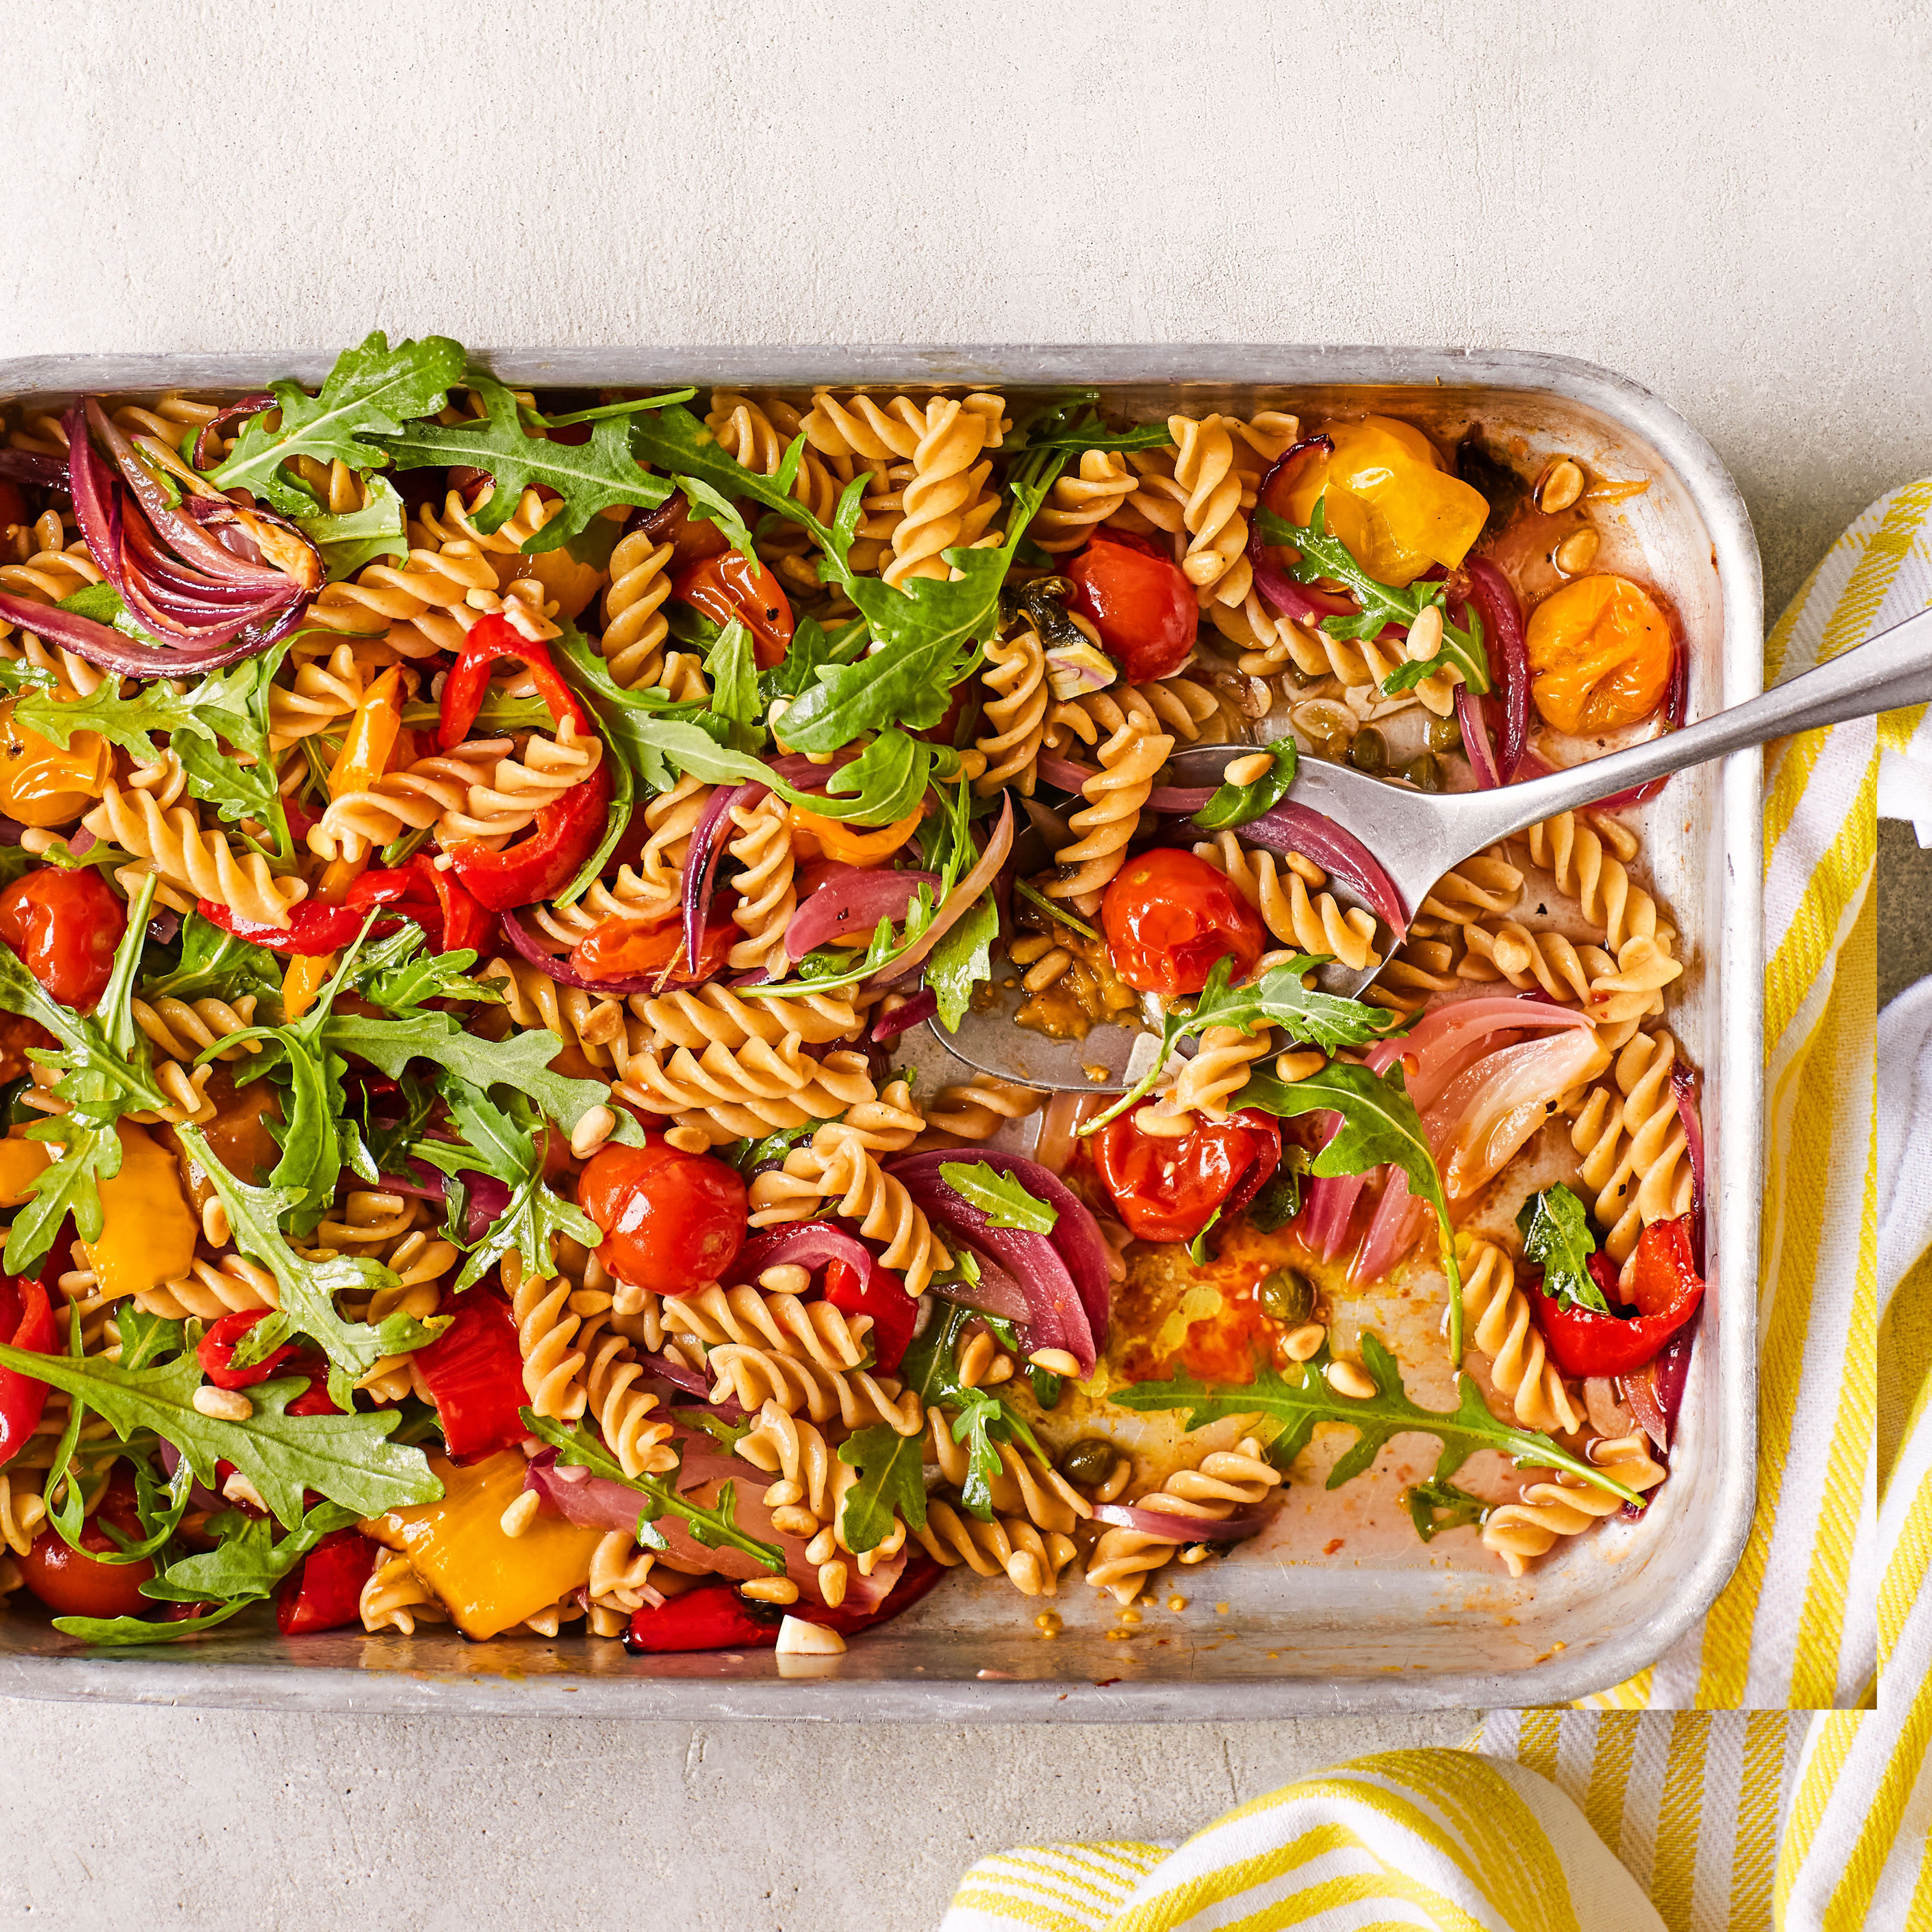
1727 202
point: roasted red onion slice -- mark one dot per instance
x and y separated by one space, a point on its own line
1503 637
1289 827
811 1244
29 466
1170 1527
996 1292
109 650
922 1005
1064 772
963 896
203 457
700 864
846 910
1179 801
805 774
1476 738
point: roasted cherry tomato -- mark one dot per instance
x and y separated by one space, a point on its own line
1168 1190
672 1222
1139 601
1169 915
1665 1286
691 538
72 1585
326 1593
713 1616
64 927
1600 655
894 1313
632 949
1385 492
731 586
42 785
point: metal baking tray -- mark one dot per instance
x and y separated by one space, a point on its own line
1271 1629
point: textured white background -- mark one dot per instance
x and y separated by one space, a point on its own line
1727 202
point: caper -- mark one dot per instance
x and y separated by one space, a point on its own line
1288 1297
1445 735
1087 1464
1331 746
1368 751
1424 772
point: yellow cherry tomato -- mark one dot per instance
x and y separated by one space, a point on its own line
147 1230
41 784
1385 494
837 841
1600 653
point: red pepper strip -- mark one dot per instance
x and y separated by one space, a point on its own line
312 929
733 587
474 1371
883 1297
216 1352
325 1594
568 827
1667 1289
26 1321
713 1616
451 917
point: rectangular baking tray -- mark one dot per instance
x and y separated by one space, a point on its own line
1272 1629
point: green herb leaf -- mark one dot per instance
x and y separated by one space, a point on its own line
962 960
1434 1507
1279 1199
213 962
1556 1235
590 477
998 1196
709 505
1034 896
716 1528
345 1458
1197 1249
890 1485
1241 805
248 1561
372 391
348 539
748 1156
981 1416
734 683
1295 1405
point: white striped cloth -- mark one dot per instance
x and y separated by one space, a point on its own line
1736 1782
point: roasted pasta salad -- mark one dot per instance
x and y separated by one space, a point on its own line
488 880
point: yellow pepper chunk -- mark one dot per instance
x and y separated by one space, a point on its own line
21 1162
488 1582
1385 494
371 736
147 1230
40 783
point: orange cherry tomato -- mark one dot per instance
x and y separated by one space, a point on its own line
1169 915
839 842
672 1221
40 784
72 1585
64 926
634 949
1600 654
731 586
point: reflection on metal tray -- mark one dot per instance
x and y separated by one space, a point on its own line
1265 1632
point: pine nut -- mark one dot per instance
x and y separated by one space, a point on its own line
1055 1361
782 1493
792 1521
788 1278
689 1140
975 1357
222 1405
1350 1378
241 1492
1425 634
1195 1552
1301 1344
831 1581
797 1638
1002 1370
594 1127
1562 484
1577 551
215 1228
769 1590
521 1514
1250 770
1438 693
823 1548
1047 969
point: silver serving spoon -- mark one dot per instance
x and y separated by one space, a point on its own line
1417 835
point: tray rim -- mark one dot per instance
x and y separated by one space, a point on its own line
176 1677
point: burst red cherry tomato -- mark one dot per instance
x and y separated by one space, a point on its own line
731 586
672 1221
1169 915
72 1585
63 927
1168 1190
629 949
1142 606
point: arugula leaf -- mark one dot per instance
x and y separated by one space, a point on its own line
811 647
962 960
121 1632
212 962
103 603
1279 1199
709 505
1555 1233
1277 998
890 1484
716 1528
1379 1124
590 477
521 1062
345 1458
538 420
348 539
1295 1406
748 1156
399 974
1197 1249
509 1145
372 390
734 684
998 1196
981 1416
1323 556
1434 1507
1240 805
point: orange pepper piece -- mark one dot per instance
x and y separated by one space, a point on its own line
1600 653
147 1230
837 841
371 736
42 785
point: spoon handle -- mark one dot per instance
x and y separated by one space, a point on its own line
1895 669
